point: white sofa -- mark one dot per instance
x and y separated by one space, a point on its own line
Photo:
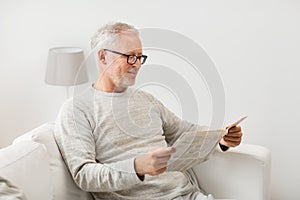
33 163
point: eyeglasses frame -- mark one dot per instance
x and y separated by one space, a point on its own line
128 56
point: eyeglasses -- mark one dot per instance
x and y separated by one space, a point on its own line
131 59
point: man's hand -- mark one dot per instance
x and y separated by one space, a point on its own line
233 138
153 162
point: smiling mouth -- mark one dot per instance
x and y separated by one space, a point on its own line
134 73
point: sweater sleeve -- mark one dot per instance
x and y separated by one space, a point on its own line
173 126
74 137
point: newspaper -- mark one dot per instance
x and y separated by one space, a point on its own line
194 147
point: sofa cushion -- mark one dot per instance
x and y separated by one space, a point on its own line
63 185
26 165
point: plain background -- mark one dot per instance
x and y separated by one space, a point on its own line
254 44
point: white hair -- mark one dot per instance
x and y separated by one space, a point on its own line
107 35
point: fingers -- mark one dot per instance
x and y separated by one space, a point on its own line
233 138
163 159
162 170
235 129
234 135
161 156
230 141
162 152
154 162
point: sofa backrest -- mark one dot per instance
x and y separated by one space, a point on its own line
26 166
64 188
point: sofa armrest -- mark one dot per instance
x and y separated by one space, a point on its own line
241 173
26 165
64 188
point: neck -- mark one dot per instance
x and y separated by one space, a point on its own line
106 85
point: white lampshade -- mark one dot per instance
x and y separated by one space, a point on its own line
65 66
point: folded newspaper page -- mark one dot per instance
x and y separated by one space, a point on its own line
194 147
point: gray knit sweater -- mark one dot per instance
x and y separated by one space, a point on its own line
99 134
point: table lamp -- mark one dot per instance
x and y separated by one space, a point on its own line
66 67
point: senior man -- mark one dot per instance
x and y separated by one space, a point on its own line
114 139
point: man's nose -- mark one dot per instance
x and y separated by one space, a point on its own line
138 63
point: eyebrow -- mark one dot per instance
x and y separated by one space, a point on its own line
134 53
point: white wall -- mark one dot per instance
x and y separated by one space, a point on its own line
254 44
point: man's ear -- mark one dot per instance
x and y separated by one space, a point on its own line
101 56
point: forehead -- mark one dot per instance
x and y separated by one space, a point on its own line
129 42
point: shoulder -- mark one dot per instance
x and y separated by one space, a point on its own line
146 96
81 101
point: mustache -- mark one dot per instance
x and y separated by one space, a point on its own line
133 70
